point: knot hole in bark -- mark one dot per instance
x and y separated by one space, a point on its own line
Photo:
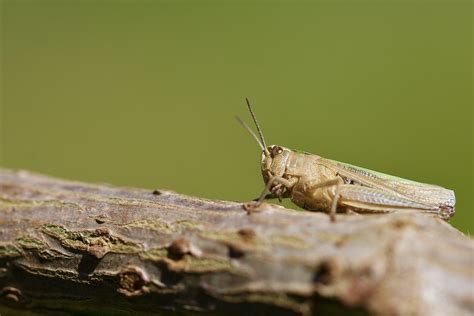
325 272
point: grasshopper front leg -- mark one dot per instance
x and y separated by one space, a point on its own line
275 180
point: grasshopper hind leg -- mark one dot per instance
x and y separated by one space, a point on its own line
366 200
446 212
350 211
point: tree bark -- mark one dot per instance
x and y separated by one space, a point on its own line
71 247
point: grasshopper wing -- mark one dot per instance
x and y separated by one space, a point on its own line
427 196
370 200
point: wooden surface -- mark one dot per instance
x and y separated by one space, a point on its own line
75 247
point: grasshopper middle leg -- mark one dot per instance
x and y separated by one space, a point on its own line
337 182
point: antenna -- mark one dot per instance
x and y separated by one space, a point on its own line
257 125
250 131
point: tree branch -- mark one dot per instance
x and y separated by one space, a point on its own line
75 247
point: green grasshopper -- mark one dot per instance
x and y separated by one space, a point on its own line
319 184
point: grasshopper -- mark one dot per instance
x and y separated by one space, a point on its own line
318 184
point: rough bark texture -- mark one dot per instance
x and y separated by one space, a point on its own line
82 248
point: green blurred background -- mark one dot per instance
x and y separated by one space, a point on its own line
144 93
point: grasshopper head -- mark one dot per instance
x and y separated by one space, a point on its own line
274 160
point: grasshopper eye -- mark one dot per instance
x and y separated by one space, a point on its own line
276 150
